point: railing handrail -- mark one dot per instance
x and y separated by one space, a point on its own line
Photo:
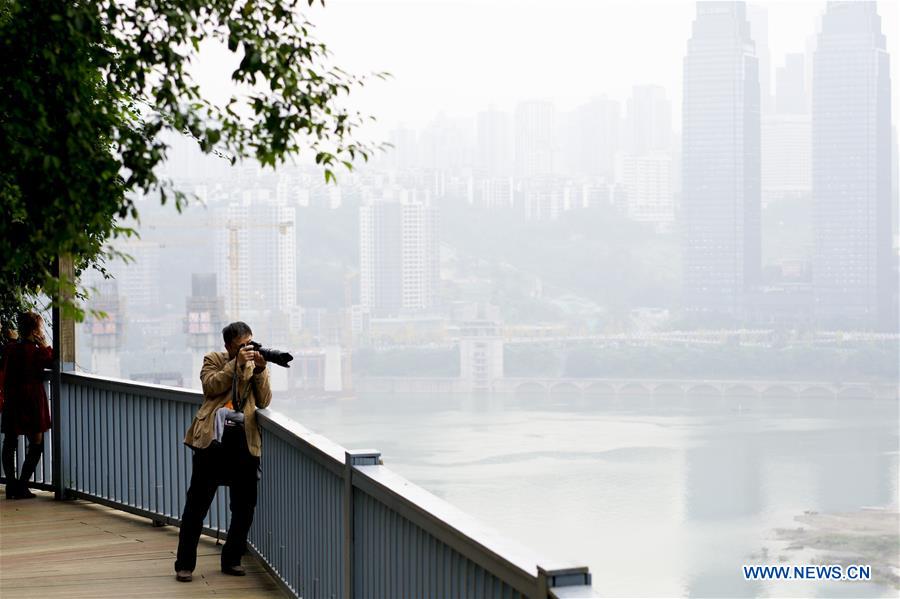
149 389
323 450
519 566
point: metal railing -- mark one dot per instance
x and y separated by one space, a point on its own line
329 522
43 473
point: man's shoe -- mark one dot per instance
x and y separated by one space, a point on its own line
234 570
184 576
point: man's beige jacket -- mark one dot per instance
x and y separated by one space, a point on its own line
216 376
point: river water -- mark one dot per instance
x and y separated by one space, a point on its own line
658 497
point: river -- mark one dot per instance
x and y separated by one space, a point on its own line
658 498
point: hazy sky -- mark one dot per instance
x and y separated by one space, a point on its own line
461 56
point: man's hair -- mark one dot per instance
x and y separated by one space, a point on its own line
235 330
27 323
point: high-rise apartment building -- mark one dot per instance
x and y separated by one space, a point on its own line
399 255
853 281
720 160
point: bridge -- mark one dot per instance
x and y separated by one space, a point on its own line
634 388
621 388
330 522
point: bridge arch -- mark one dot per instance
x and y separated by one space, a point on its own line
601 396
856 392
636 396
567 388
600 390
703 391
817 392
669 392
530 388
740 393
779 392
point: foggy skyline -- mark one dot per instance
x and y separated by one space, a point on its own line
609 203
462 57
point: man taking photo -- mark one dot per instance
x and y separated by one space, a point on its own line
226 442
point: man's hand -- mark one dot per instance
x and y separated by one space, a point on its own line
259 362
245 354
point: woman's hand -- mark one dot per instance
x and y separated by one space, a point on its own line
38 337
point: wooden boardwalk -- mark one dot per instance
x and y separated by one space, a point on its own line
80 549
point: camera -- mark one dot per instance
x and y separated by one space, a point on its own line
271 355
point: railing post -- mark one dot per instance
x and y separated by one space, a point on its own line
553 578
353 457
64 360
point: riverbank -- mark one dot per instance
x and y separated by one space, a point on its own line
870 536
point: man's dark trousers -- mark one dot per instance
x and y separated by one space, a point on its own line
232 464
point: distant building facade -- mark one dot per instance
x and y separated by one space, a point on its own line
648 185
786 156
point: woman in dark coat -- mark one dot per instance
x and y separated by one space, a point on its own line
26 410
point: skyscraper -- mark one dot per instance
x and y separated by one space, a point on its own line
851 169
398 254
535 151
720 160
